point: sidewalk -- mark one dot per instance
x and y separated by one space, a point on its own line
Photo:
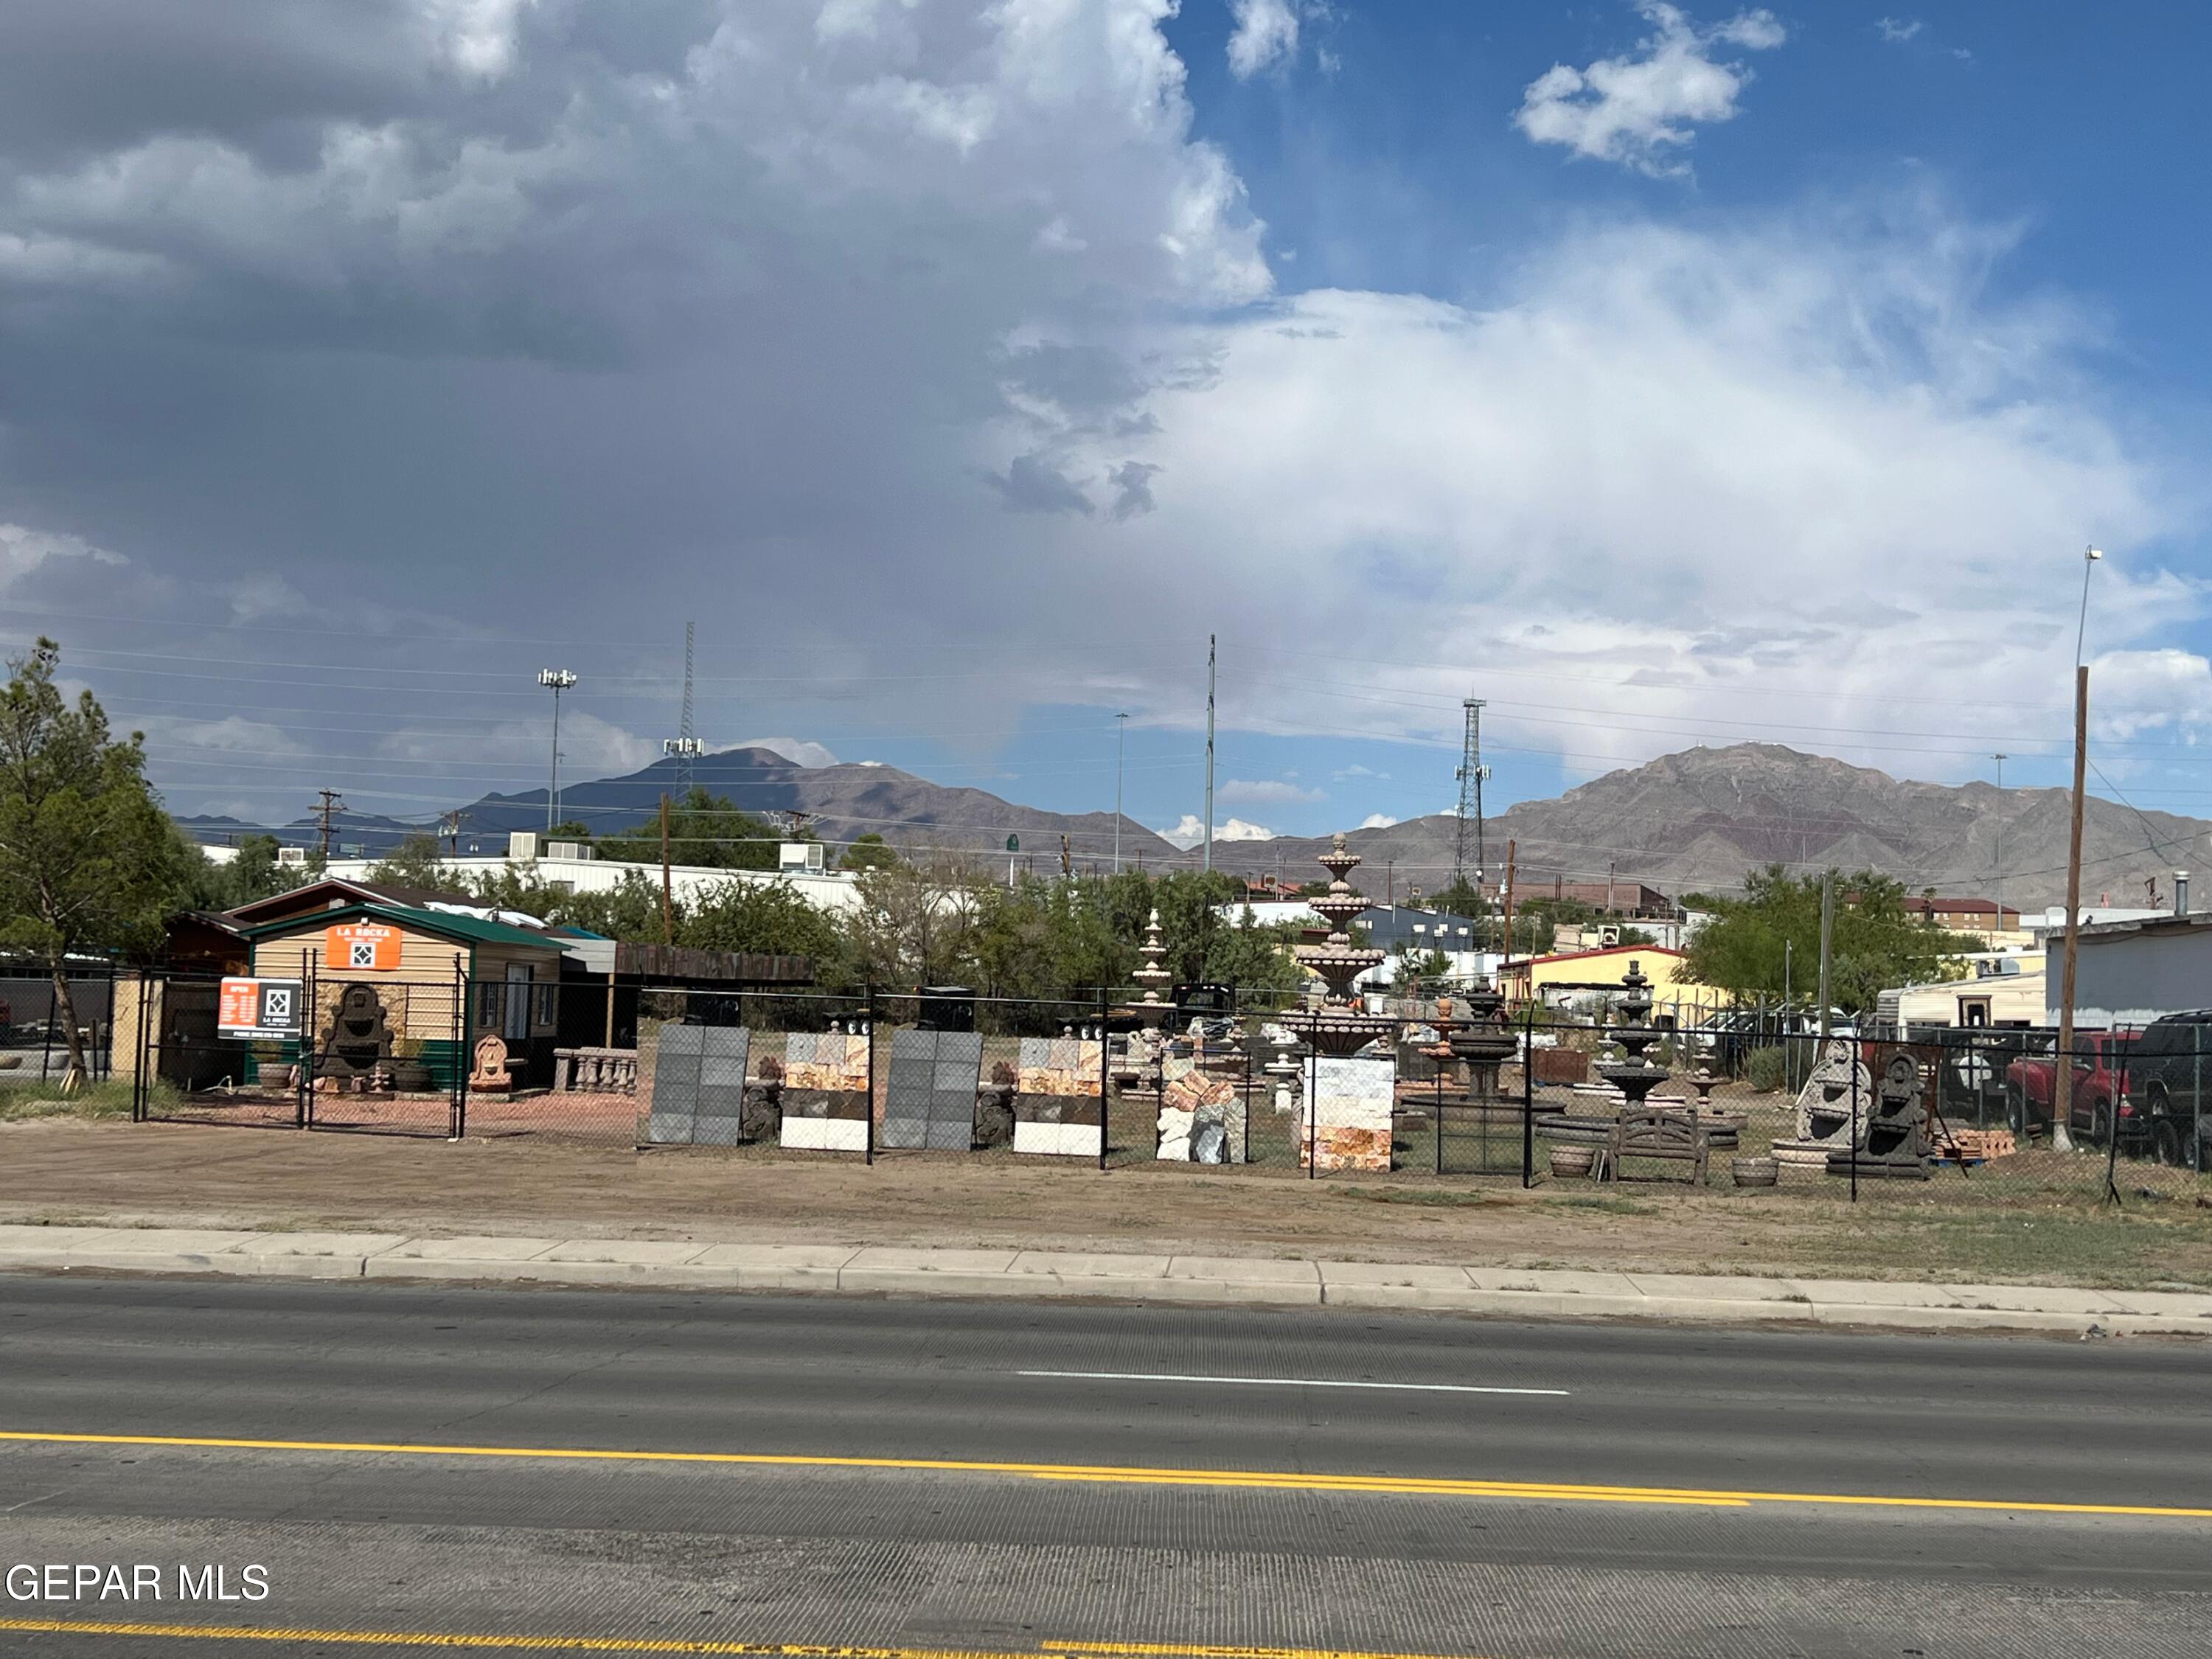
1227 1280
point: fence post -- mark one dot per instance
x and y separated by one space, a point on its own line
869 1156
1528 1098
1105 1083
1858 1058
303 1048
461 1061
1436 1111
1313 1110
2112 1141
139 1100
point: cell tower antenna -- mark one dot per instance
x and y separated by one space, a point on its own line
1472 772
685 745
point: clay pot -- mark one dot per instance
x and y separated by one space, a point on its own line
1568 1162
1755 1171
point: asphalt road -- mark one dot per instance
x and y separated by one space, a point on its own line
1609 1518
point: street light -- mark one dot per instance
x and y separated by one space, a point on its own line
555 680
2089 556
1121 742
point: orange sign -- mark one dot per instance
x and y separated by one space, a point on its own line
258 1008
351 946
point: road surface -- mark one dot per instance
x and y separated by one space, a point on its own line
912 1477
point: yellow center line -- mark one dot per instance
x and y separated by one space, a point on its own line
1269 1480
677 1644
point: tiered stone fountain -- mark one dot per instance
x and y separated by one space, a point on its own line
1339 1026
1635 1076
1483 1043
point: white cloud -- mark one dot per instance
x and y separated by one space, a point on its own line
516 753
1639 109
1190 831
476 38
799 751
24 550
1377 821
1266 791
1898 30
1267 34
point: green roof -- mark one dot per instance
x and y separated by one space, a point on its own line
472 930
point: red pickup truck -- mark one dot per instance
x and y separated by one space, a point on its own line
2100 1079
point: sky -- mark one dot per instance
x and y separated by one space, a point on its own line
1660 376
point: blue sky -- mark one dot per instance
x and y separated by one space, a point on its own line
1662 375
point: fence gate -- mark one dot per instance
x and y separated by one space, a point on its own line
182 1072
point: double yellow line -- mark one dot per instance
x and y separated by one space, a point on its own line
670 1644
1117 1474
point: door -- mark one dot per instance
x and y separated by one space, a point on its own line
514 1026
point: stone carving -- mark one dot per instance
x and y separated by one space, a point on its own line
1348 1121
489 1075
1892 1140
595 1071
1826 1108
358 1041
1634 1074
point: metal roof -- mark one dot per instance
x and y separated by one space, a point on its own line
473 930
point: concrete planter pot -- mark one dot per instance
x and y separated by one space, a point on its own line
1569 1163
1755 1171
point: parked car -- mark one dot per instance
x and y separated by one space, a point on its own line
2101 1062
2167 1082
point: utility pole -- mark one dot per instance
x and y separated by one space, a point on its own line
449 827
326 814
1827 935
667 880
555 680
1510 848
2000 758
2061 1071
1121 745
1209 751
1472 772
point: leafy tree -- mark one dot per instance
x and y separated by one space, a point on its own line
915 923
88 860
417 861
703 829
630 910
570 829
773 918
1461 897
1044 938
1637 936
868 851
1414 966
1876 942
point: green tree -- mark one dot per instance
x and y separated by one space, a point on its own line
915 921
1460 897
88 860
417 861
868 851
703 829
569 829
1414 967
773 918
1876 942
630 910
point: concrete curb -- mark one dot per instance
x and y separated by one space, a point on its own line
1044 1275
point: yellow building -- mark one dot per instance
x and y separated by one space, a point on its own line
1570 976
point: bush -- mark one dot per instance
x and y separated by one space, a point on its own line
1766 1069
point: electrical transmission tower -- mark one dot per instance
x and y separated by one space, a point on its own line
1472 772
684 745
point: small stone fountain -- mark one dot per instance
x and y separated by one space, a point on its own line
1483 1043
1151 976
1635 1076
1339 1026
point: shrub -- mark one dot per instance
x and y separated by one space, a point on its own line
1766 1069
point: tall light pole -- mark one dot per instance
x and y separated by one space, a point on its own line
1121 743
555 680
1209 751
2061 1072
2000 757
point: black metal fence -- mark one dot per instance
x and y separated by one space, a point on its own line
1740 1103
33 1028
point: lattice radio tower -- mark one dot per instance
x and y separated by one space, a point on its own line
1472 772
684 745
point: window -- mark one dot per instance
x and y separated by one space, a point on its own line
547 1002
488 1000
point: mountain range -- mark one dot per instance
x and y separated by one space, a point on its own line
1693 820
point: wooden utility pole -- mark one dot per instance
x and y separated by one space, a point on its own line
2061 1071
1511 846
1827 934
326 815
667 882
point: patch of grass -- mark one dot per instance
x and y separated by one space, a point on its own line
97 1100
1432 1197
1606 1206
2081 1242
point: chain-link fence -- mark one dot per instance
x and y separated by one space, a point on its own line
34 1026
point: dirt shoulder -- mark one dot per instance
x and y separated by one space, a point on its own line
62 1170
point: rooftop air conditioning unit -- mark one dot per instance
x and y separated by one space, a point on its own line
291 855
569 849
522 845
799 858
